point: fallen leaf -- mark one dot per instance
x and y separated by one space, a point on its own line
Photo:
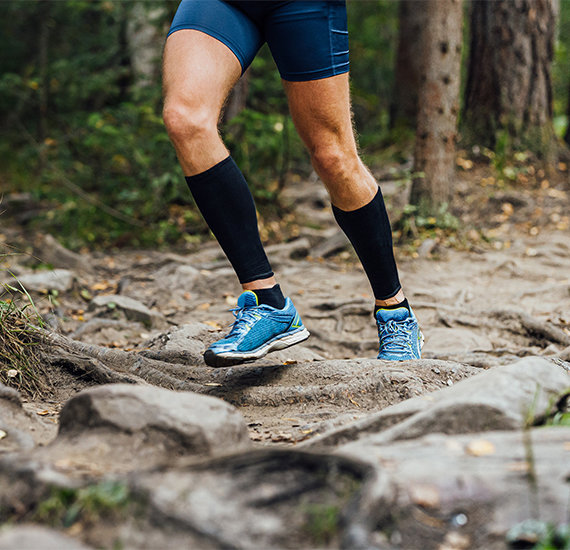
86 295
75 529
204 306
43 413
425 495
215 384
103 285
480 447
3 434
214 324
290 362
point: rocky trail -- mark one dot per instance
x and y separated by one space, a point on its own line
131 441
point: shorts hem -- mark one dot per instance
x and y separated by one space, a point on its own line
218 36
318 74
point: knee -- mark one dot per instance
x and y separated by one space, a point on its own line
188 123
331 162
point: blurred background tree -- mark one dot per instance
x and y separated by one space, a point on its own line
509 85
80 108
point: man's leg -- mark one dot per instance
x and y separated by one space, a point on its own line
321 113
199 72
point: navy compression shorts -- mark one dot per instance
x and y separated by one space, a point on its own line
308 40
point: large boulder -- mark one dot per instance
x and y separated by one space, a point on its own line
124 427
466 492
504 398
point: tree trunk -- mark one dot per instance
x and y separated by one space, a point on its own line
438 105
404 106
567 134
509 86
237 99
145 40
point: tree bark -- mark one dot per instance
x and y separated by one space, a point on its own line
509 86
567 134
404 106
438 105
145 40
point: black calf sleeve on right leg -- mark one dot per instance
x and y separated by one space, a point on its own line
223 197
368 229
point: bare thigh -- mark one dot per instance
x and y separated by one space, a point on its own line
198 74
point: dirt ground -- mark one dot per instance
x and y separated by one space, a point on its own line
495 290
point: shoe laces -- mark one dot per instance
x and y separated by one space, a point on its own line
245 317
395 335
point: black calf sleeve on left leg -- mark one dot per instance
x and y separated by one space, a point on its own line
223 197
368 229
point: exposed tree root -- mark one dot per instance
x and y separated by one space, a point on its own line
110 365
542 330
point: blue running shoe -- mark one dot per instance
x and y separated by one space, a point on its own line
399 334
257 330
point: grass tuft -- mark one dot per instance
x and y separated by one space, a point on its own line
20 341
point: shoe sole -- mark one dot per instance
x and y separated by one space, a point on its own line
230 358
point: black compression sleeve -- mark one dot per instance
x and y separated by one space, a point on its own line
368 229
223 197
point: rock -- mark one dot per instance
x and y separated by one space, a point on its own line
176 277
470 488
49 251
263 499
426 248
57 279
454 340
121 427
32 537
18 429
133 309
295 249
498 399
331 245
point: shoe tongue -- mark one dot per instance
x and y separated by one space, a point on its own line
247 299
393 314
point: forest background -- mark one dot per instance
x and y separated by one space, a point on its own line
81 133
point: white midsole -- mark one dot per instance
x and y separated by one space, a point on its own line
281 343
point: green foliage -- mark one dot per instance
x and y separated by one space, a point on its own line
560 419
322 523
64 507
561 71
85 138
539 535
82 134
373 31
414 220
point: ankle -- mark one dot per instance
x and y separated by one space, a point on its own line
403 303
270 296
